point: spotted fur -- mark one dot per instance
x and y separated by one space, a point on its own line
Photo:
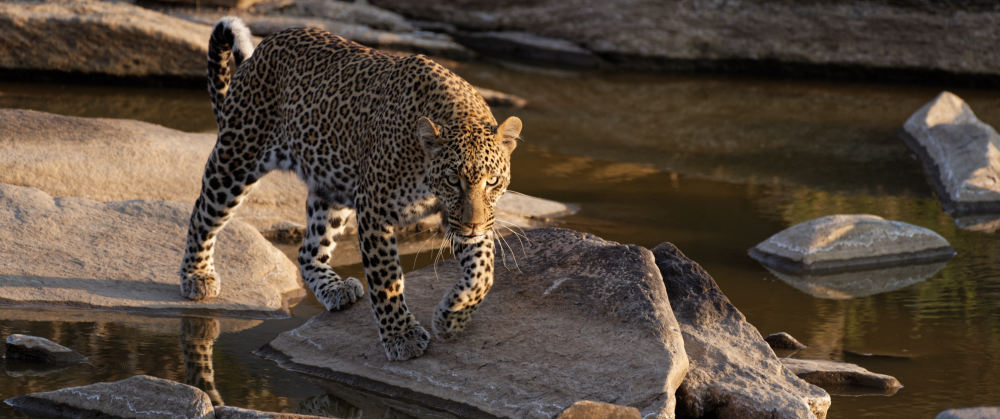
390 138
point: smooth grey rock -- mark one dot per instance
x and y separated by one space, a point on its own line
138 396
846 285
961 154
783 340
826 373
77 36
229 412
587 409
124 256
501 99
669 34
530 47
539 342
112 159
982 412
838 243
358 13
39 349
734 373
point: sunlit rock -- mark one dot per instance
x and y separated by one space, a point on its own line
961 154
833 375
783 340
837 243
983 412
550 333
138 396
734 373
100 37
856 284
39 349
586 409
76 252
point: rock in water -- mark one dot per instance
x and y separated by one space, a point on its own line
77 36
961 154
138 396
782 340
734 372
34 348
983 412
837 243
825 373
124 256
570 317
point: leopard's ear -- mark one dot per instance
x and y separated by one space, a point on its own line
429 134
508 133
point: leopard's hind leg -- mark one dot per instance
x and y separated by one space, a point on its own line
326 221
230 174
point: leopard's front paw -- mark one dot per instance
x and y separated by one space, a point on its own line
448 324
338 295
408 343
201 285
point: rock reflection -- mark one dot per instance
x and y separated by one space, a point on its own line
198 337
842 286
346 402
987 223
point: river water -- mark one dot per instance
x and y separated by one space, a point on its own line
712 164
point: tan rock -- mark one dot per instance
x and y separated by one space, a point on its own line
549 334
587 409
837 243
124 255
826 373
961 154
138 396
99 37
734 373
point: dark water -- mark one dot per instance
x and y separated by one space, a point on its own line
714 165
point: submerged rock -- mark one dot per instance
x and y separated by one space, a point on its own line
77 36
961 154
38 349
825 373
586 409
124 256
838 243
734 373
846 285
138 396
112 159
538 344
782 340
983 412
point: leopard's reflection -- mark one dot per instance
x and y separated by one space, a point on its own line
197 340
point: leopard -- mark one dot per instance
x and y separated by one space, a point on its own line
388 138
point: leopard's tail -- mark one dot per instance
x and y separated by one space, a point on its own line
230 38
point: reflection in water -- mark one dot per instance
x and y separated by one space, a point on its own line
982 223
856 284
198 337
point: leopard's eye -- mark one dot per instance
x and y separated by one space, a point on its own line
493 181
453 179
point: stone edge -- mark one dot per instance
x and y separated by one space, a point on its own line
376 387
283 313
789 266
47 408
952 207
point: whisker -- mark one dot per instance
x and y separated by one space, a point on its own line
523 252
512 255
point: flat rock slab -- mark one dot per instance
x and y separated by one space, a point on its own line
125 256
550 333
961 154
838 243
734 373
983 412
113 159
229 412
859 284
826 373
138 396
75 36
39 349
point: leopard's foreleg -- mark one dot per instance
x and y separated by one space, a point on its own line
453 313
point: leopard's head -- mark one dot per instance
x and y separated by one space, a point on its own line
468 168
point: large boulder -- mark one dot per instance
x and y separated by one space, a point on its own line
550 333
99 37
734 373
112 159
838 243
138 396
124 256
961 154
815 36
